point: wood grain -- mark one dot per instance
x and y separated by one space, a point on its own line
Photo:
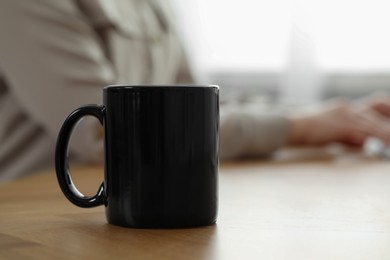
329 206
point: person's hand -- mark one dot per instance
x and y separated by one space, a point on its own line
346 122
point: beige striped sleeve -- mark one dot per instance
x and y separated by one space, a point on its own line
251 133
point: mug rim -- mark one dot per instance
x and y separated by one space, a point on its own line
160 86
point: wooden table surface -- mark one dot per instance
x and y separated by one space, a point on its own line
322 205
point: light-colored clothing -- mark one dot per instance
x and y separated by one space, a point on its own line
58 55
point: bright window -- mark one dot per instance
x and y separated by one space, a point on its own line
301 40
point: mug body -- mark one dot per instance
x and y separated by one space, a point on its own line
161 155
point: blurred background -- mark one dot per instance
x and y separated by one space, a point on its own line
296 51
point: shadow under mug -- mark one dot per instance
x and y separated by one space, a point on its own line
161 155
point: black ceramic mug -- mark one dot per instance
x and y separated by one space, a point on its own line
161 155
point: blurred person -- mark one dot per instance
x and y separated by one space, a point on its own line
58 55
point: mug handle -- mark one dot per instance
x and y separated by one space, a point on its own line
61 158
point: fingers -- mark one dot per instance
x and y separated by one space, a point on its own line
382 106
379 101
356 138
350 123
370 122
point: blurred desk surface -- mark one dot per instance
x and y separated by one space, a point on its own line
310 205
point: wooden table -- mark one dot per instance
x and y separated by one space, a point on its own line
322 205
